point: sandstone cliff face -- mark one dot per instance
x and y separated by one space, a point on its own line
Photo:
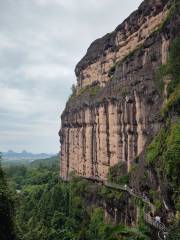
115 110
106 51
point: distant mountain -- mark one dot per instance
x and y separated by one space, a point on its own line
46 162
11 155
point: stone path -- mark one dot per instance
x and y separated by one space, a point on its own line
162 230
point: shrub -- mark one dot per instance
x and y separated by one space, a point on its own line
153 151
174 65
162 71
112 70
94 90
164 154
173 103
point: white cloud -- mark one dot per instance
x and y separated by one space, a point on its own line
6 42
43 72
13 100
40 44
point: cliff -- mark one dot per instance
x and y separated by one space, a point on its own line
115 109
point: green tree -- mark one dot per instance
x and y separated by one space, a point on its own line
7 230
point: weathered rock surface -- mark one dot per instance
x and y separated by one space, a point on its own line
105 52
115 111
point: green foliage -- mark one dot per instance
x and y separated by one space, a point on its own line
118 174
173 68
170 14
173 103
164 154
143 228
73 89
157 204
174 64
124 91
134 166
161 73
131 53
73 93
94 90
112 70
7 229
89 90
154 149
153 57
96 227
49 209
164 151
82 91
171 155
172 71
174 233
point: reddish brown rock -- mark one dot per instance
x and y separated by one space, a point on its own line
115 112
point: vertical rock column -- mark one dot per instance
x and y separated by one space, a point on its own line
140 119
131 132
94 142
88 142
113 134
97 122
80 151
124 132
103 153
164 50
121 133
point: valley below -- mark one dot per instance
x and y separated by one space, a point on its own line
117 176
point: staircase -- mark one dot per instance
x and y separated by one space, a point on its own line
162 230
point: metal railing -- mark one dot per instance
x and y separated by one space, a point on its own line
153 222
163 233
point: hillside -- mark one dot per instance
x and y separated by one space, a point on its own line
11 155
49 208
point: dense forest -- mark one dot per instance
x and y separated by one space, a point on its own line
48 208
7 229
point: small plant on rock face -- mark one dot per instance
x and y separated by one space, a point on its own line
173 103
133 168
153 57
160 75
118 174
94 90
174 7
112 71
124 91
171 71
73 88
152 152
136 160
174 65
157 204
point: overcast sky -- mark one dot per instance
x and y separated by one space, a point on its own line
41 41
